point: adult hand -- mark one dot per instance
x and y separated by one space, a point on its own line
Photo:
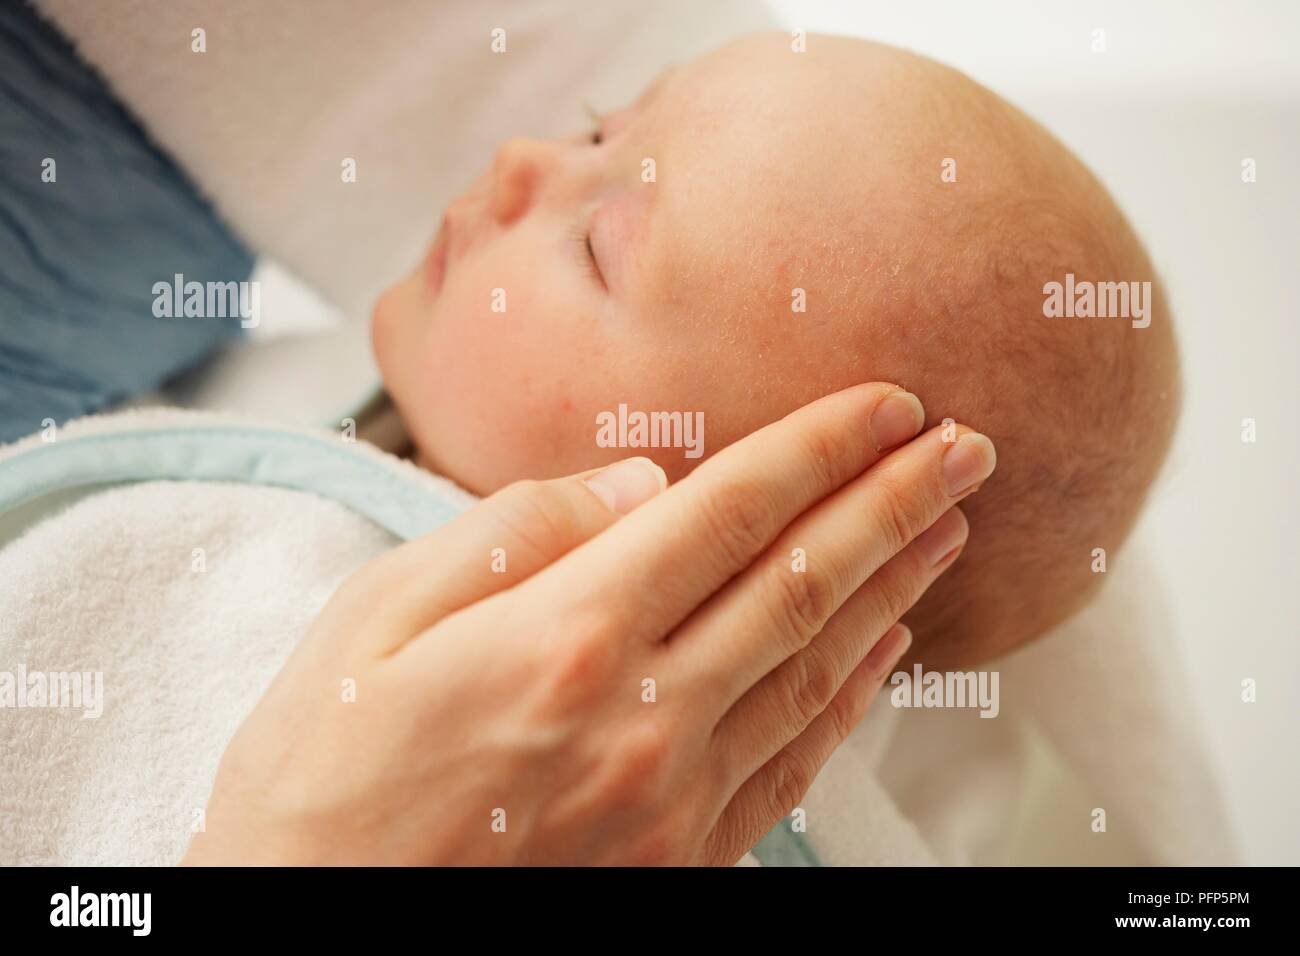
659 686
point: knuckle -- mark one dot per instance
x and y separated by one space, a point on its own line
804 601
647 750
791 778
809 689
536 515
638 767
915 574
588 618
736 514
897 589
577 664
842 712
825 451
899 515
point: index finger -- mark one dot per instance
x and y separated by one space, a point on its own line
693 538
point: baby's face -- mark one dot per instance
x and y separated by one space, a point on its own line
652 262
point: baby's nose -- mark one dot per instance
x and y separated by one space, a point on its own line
519 174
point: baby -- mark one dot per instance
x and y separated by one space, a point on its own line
768 225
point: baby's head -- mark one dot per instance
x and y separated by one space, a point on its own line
764 227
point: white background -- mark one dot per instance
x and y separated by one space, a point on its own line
1185 91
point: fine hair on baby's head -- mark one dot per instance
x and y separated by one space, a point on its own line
770 224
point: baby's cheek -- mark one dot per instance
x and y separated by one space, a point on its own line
544 431
482 420
550 427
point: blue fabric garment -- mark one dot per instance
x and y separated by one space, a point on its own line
79 256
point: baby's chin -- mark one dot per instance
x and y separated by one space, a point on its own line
425 460
452 451
386 328
431 459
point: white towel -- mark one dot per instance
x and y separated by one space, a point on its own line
186 597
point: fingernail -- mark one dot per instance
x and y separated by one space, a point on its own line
969 461
897 418
627 484
943 537
892 646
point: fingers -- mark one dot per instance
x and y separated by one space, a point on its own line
500 542
775 607
779 785
790 698
695 537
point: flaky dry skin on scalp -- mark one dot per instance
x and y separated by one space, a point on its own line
818 171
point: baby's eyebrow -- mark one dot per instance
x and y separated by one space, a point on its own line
616 119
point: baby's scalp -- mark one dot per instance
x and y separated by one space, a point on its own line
943 216
916 218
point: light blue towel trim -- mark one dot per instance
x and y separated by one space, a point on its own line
262 456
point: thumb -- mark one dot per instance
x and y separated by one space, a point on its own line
500 542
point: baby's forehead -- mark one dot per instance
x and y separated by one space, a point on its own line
778 176
758 143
